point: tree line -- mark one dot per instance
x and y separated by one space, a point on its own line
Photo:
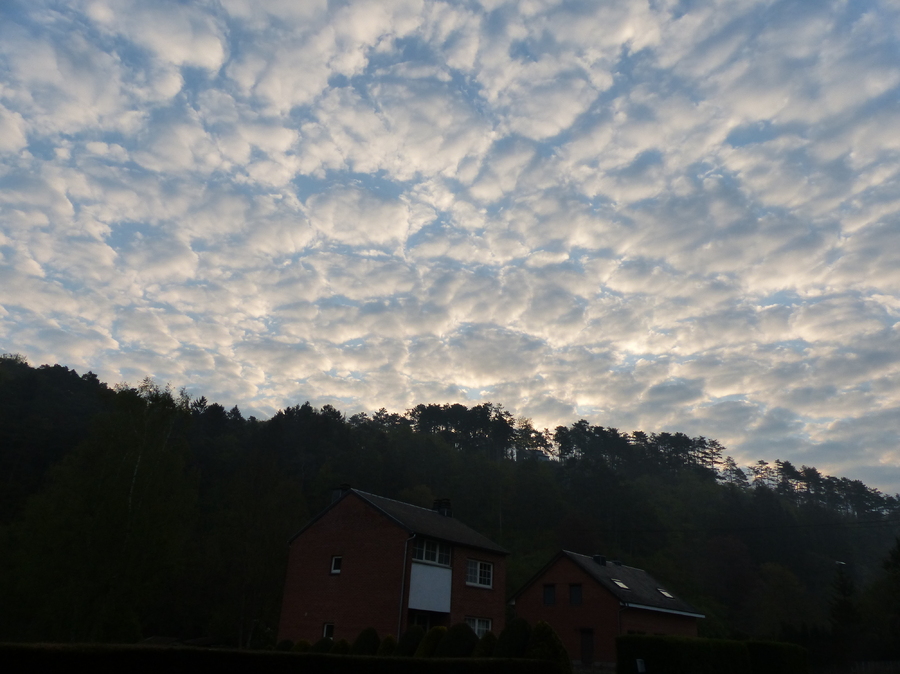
136 511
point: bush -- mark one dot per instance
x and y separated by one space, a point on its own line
388 646
459 642
284 645
773 657
486 646
302 646
430 642
341 647
366 643
323 645
513 640
409 641
545 644
681 655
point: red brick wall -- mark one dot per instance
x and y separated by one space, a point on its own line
367 591
599 611
478 602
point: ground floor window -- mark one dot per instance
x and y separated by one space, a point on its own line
479 625
328 630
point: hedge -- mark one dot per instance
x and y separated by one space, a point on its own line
545 644
459 642
430 642
486 646
388 646
366 643
513 640
178 660
683 655
773 657
409 641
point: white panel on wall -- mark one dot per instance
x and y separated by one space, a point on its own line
429 588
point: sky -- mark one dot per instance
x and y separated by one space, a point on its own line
665 216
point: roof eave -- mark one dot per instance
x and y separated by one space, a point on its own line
662 610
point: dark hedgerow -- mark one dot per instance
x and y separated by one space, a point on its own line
341 647
153 659
681 655
302 646
284 645
409 641
545 644
323 645
388 646
513 640
459 642
430 642
772 657
486 646
366 643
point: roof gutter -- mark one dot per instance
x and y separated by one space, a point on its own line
663 610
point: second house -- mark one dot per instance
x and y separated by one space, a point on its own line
370 561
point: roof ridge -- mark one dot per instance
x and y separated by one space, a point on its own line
387 498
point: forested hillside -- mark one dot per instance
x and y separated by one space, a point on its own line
132 512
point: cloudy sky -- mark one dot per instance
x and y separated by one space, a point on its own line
665 215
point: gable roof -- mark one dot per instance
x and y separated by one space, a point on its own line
421 521
641 591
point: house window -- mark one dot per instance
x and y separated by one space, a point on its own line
336 565
479 625
664 593
328 630
549 595
426 550
620 583
575 594
479 573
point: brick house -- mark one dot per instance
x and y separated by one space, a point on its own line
589 602
370 561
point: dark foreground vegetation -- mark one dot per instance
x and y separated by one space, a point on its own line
135 512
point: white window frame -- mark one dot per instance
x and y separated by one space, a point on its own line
430 551
477 571
325 630
335 570
479 625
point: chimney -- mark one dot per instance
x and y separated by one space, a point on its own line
600 559
442 506
339 491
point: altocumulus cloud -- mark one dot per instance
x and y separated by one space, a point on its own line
660 216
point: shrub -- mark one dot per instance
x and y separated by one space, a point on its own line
323 645
409 641
430 642
388 646
284 645
486 646
681 655
459 642
513 640
341 647
366 643
773 657
302 646
545 644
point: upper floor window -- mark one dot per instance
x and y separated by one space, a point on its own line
328 630
336 564
575 594
549 595
426 550
479 573
664 593
620 583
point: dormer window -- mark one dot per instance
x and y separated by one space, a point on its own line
436 552
620 583
336 565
